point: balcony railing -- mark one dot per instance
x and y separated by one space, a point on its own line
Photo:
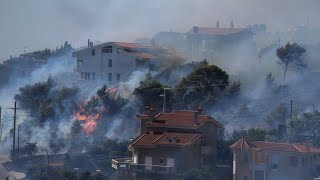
126 164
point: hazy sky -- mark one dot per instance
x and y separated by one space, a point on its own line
36 24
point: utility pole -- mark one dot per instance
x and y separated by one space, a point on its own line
1 126
314 109
14 126
291 110
18 141
284 114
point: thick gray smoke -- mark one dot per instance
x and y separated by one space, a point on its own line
108 20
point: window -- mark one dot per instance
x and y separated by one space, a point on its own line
118 77
203 141
93 76
107 49
110 63
82 75
79 62
245 157
109 76
93 52
161 160
88 76
293 161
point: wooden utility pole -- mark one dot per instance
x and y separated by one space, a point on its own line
284 114
291 110
18 141
1 126
14 126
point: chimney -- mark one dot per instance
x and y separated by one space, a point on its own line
152 115
196 118
199 110
195 29
88 42
308 144
231 24
146 110
218 24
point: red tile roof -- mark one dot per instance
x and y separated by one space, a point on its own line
130 45
216 31
274 146
143 55
182 119
152 140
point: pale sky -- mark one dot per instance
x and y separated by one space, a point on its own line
37 24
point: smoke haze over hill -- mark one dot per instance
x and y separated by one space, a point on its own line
34 24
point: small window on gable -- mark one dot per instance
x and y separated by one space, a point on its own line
93 52
107 49
161 160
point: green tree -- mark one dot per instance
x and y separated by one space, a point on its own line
149 92
203 86
276 117
251 134
306 126
291 54
110 101
44 101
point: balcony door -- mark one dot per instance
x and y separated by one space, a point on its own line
170 162
148 162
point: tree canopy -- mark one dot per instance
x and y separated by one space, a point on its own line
149 92
202 86
44 100
291 54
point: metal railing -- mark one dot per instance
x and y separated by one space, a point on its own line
126 164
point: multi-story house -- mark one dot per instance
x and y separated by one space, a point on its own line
111 62
206 42
259 160
170 143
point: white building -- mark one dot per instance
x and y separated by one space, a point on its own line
111 62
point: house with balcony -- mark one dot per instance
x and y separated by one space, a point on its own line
170 143
259 160
111 62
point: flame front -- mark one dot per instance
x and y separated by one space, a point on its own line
89 121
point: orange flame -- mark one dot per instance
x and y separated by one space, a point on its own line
89 121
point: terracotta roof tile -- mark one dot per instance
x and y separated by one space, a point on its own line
151 139
274 146
181 119
216 31
130 45
143 55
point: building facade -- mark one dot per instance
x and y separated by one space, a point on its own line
260 160
207 42
111 62
170 143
